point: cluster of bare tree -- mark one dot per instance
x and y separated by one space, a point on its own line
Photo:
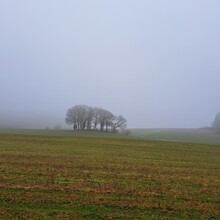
83 117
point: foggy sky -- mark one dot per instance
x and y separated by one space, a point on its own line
155 62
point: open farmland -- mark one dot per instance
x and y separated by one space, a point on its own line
201 136
178 135
48 177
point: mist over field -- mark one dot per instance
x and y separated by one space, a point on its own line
154 62
30 120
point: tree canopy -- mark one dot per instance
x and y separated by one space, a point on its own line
83 117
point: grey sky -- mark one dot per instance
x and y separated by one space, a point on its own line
155 62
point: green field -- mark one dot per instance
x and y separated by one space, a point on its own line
67 133
79 177
178 135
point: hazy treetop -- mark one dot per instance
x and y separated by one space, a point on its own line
155 62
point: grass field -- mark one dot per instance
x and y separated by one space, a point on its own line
61 177
67 133
178 135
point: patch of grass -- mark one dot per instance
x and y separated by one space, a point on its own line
178 135
48 177
66 133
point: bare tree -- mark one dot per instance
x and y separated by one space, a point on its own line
119 123
82 116
77 117
104 118
216 124
95 117
71 118
89 118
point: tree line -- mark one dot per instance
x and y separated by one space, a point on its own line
83 117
